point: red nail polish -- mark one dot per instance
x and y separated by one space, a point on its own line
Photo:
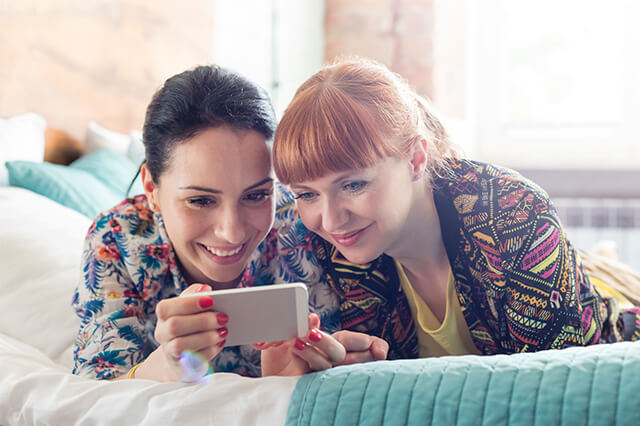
203 287
299 344
221 344
205 302
223 319
315 335
223 331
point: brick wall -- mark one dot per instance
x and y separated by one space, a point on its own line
398 33
73 61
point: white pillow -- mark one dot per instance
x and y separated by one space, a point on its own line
136 148
99 138
21 138
40 247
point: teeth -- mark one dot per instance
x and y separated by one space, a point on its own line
223 252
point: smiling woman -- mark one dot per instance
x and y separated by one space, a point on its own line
435 253
208 204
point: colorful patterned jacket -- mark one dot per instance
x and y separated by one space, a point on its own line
519 283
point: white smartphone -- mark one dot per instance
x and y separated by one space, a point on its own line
262 314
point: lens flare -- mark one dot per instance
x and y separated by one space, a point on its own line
195 368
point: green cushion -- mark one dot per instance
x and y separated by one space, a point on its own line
89 185
596 385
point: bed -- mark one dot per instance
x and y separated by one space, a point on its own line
40 243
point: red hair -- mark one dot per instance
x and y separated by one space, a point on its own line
350 115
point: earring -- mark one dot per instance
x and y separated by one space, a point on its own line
416 177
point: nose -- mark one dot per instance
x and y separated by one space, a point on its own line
334 215
230 226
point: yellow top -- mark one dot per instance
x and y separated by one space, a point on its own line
605 290
451 337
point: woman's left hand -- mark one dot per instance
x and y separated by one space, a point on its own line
294 357
361 347
319 351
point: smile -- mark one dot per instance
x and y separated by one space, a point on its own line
225 256
223 253
349 238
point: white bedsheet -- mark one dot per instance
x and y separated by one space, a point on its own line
40 244
34 390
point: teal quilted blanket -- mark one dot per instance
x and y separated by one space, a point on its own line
597 385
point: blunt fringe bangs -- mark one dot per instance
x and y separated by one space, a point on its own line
325 130
350 115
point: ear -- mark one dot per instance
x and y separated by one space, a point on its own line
149 186
418 159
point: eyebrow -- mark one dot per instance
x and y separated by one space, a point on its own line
217 191
337 179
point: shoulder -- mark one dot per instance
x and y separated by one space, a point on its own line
288 225
486 182
133 216
497 208
285 205
129 233
289 249
483 193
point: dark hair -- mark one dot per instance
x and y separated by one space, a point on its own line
198 99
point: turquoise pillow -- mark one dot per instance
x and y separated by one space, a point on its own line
89 185
111 168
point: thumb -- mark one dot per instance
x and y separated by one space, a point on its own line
379 349
196 288
314 321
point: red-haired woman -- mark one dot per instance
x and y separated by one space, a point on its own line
435 253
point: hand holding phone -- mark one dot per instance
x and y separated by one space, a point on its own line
319 351
262 314
185 325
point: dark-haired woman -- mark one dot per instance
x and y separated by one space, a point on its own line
204 222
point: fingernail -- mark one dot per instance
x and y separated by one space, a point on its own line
223 319
260 344
205 302
223 331
221 344
299 344
315 335
203 287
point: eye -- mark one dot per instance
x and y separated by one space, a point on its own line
307 197
355 186
200 202
257 196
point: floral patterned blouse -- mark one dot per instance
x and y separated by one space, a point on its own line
129 265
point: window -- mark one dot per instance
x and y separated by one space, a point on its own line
555 84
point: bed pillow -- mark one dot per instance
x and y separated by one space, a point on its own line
111 168
99 137
135 152
40 251
21 138
89 185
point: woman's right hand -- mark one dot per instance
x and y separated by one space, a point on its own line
184 323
